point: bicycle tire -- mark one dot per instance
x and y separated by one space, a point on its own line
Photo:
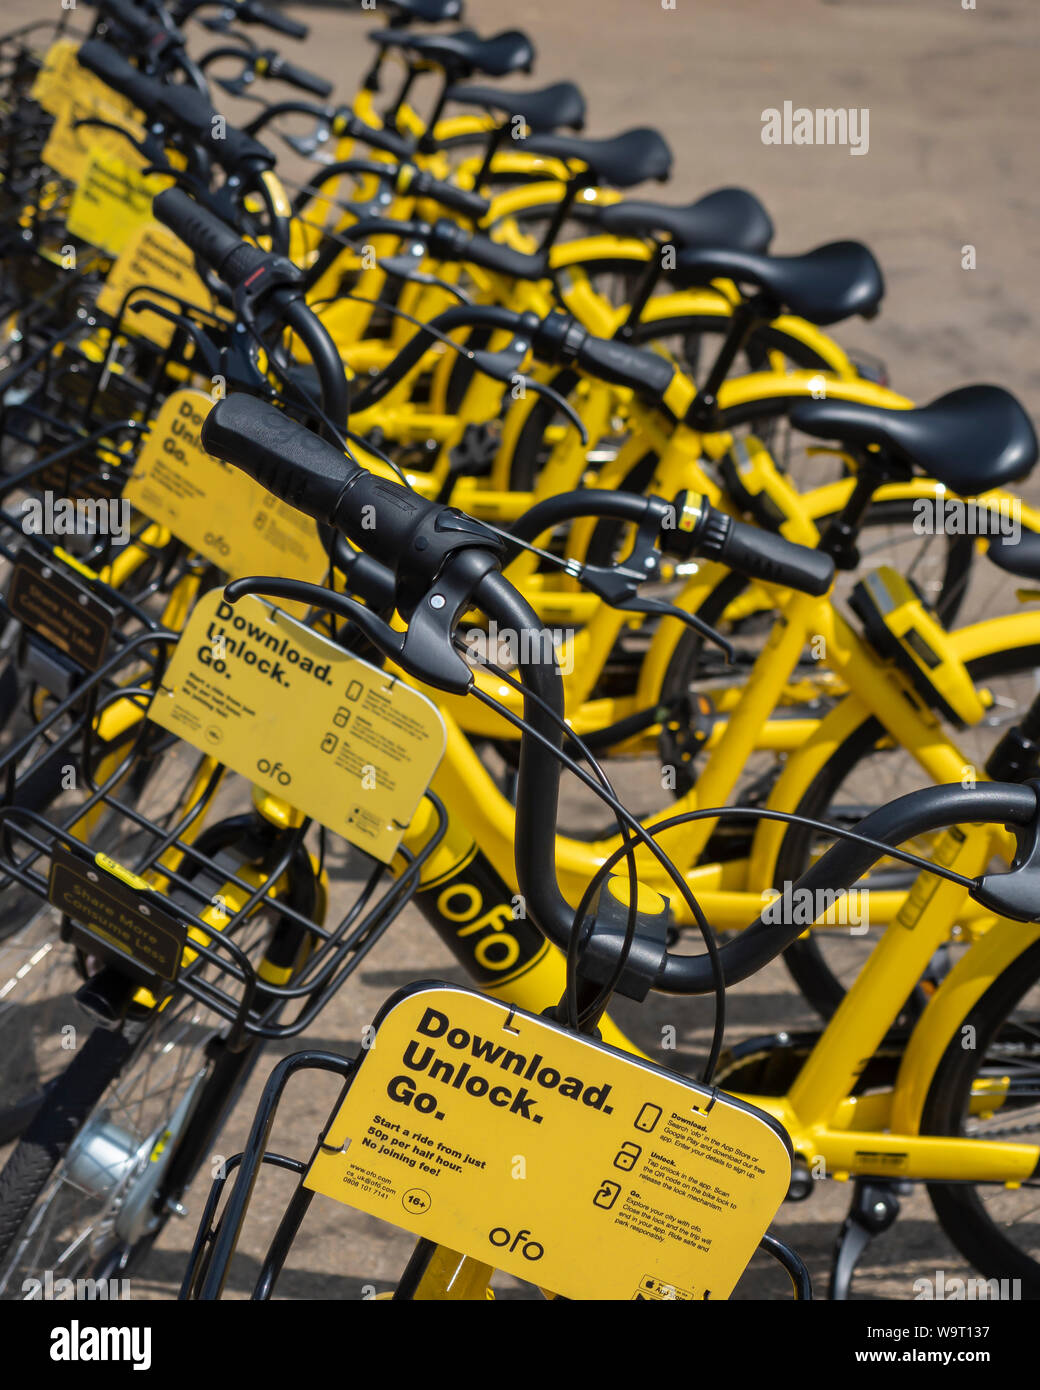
805 960
55 1125
958 1206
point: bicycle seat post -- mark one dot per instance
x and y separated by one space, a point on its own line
746 317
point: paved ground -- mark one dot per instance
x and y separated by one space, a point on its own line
951 162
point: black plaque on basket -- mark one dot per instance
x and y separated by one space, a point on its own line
113 919
52 600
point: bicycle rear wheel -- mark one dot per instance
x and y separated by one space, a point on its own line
864 771
995 1228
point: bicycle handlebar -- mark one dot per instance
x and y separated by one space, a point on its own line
267 63
213 241
252 12
710 534
422 184
180 106
247 12
246 267
147 32
316 478
557 340
916 813
705 532
281 70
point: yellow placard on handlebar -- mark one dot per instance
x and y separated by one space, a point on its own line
70 146
215 509
153 261
551 1156
111 201
278 703
51 86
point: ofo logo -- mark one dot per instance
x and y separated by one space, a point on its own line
504 1240
275 770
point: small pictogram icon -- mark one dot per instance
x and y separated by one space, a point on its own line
607 1195
647 1118
627 1157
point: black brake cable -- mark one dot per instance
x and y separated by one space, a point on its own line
626 850
305 398
838 832
648 835
576 1019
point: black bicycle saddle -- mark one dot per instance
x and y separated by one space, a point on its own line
972 439
831 283
547 109
624 160
464 52
727 217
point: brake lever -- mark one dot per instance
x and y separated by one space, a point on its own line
236 86
503 366
204 344
307 146
424 650
1015 891
618 585
149 147
401 269
219 23
664 609
540 388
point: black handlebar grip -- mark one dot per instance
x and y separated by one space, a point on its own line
213 241
645 372
461 200
306 81
315 477
451 242
140 26
765 555
255 13
229 146
386 140
103 61
284 457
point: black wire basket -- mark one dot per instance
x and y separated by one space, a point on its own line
166 876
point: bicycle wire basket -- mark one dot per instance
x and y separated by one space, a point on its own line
77 827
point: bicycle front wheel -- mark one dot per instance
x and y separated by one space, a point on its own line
866 770
996 1228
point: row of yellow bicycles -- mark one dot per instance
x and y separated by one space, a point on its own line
369 463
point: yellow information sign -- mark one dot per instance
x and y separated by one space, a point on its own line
111 201
338 739
50 89
551 1156
214 508
69 148
153 260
